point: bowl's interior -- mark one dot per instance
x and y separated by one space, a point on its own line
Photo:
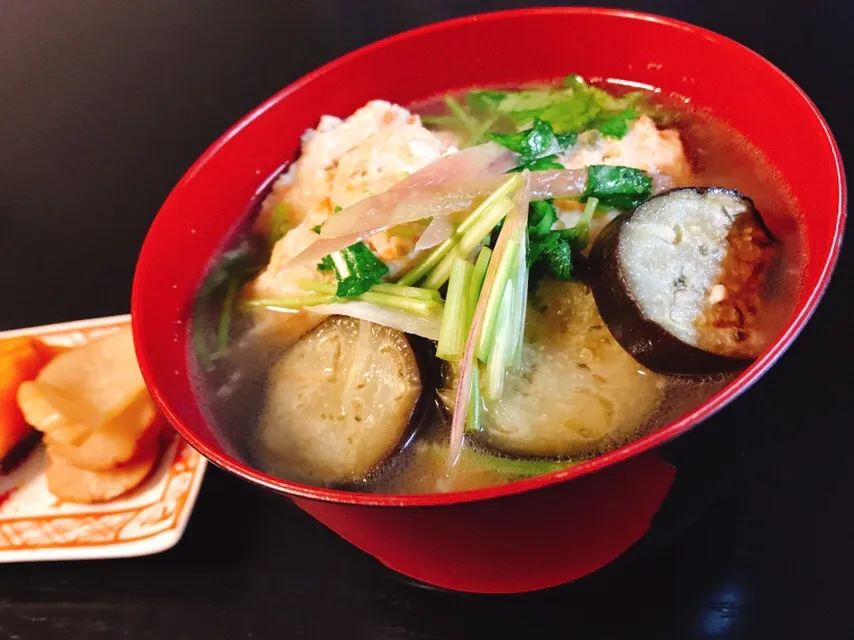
709 71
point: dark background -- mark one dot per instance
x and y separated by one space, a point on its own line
104 104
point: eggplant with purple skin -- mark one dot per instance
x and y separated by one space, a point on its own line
339 402
679 281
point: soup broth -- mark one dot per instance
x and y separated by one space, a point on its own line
575 391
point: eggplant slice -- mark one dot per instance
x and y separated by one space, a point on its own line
339 402
679 281
578 392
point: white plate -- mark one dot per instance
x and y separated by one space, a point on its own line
35 526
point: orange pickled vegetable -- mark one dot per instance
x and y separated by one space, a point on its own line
21 359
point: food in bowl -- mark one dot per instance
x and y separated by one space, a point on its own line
490 286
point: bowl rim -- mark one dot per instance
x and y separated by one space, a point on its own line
649 441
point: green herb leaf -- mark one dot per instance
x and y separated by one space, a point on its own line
572 115
566 140
618 187
316 228
541 217
617 125
336 209
357 269
217 294
235 264
533 143
575 107
531 101
325 264
534 253
612 103
537 147
557 253
551 248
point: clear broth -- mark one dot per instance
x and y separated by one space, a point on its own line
232 393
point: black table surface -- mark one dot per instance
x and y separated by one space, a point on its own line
104 104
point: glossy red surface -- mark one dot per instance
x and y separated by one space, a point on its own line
520 543
711 71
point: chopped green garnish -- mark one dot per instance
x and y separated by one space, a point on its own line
477 277
293 302
567 109
541 217
336 209
455 319
430 262
520 308
474 415
493 303
356 268
577 236
566 140
611 103
407 292
537 146
617 125
554 248
514 467
236 263
481 228
217 295
224 325
536 142
518 467
423 304
572 115
325 264
618 187
574 107
502 347
528 103
558 256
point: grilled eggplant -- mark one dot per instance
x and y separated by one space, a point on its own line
339 402
679 281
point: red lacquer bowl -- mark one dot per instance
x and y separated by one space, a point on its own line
546 530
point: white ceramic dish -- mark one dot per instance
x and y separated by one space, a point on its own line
36 526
